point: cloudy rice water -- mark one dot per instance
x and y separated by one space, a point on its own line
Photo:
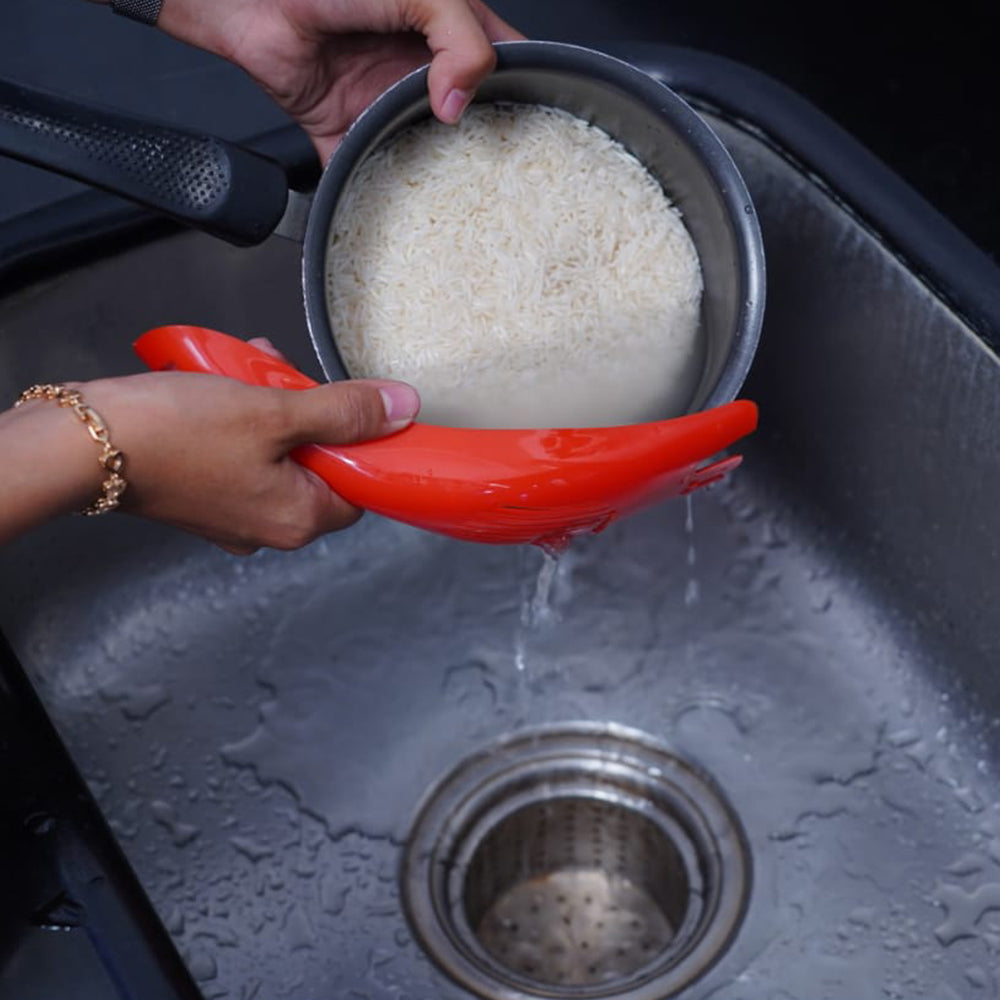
521 269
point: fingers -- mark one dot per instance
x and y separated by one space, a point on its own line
340 413
349 412
462 54
309 509
305 509
303 506
236 549
328 511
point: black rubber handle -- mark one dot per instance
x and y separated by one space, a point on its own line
197 179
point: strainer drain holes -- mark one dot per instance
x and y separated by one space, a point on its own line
582 861
570 909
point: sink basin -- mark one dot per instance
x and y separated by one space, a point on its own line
817 635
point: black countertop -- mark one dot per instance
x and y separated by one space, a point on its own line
920 92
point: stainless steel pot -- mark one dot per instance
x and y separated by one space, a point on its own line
653 123
239 196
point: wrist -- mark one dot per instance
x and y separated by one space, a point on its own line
51 465
208 26
204 25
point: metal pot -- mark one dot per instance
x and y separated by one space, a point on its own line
242 197
654 124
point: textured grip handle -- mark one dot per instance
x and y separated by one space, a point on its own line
197 179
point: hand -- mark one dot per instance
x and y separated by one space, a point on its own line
206 454
325 61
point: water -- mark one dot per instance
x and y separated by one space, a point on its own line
536 605
692 589
202 965
251 849
181 833
978 977
298 929
965 909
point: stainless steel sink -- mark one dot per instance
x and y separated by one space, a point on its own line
818 636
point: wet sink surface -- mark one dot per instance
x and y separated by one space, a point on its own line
818 633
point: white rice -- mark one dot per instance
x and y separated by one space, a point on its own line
521 270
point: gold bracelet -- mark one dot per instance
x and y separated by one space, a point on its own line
112 461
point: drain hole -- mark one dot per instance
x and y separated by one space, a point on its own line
576 891
578 862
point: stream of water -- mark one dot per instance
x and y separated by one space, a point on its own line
536 603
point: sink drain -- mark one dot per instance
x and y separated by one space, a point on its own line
580 861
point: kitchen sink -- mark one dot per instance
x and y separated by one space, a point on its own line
811 645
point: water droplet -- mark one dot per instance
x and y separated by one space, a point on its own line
820 602
977 977
175 921
970 800
992 941
964 909
298 930
520 654
201 965
968 864
470 685
251 849
333 895
181 834
921 754
775 535
138 703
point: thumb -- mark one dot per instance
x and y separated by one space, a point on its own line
348 412
462 54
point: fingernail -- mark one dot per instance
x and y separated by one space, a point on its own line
401 403
454 104
264 344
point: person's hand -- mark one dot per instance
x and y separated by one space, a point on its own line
211 455
324 61
206 454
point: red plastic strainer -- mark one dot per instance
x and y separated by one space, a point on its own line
499 486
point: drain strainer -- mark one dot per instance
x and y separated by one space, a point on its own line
581 861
